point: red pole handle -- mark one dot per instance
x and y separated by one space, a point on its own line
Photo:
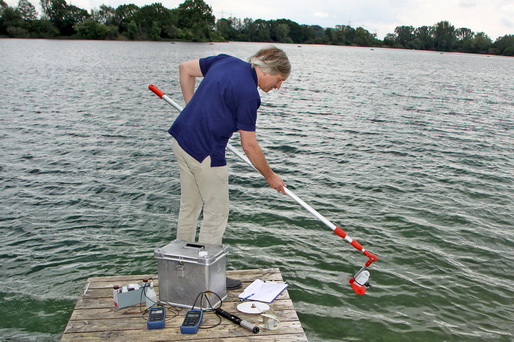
156 90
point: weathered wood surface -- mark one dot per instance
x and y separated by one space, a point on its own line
96 319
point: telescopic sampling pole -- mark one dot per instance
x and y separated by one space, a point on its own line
359 280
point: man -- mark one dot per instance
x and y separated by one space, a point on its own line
226 101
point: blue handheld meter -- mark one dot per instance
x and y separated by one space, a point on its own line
156 318
191 322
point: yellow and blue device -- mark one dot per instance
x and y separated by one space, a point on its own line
156 317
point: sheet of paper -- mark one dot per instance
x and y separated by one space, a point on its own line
263 291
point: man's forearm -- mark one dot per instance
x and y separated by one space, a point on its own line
256 156
254 152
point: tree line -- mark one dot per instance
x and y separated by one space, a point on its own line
193 20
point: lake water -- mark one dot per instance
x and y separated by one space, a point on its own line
410 152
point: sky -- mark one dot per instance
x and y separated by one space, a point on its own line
494 17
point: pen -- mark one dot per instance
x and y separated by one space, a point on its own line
245 298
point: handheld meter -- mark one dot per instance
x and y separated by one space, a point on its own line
156 318
191 322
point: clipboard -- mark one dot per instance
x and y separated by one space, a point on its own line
263 291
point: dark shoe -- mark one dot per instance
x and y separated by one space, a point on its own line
233 284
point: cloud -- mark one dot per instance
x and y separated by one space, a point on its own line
507 22
467 3
321 14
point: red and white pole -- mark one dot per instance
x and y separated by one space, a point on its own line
359 280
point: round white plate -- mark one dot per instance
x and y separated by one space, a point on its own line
253 307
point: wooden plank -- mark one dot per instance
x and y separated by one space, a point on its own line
152 335
135 311
96 319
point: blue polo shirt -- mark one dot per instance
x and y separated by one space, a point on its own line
226 101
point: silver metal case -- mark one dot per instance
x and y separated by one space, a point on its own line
188 269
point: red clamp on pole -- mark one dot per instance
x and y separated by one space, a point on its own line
371 257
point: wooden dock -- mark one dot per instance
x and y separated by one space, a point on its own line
96 319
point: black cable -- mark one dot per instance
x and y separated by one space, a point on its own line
169 308
211 326
204 294
141 297
176 310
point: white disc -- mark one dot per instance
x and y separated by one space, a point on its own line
253 307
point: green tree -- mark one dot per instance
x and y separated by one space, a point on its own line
196 16
364 38
256 31
281 33
390 40
481 43
91 29
225 27
343 35
505 45
330 36
45 4
64 16
424 36
249 30
27 10
104 15
174 32
43 28
151 20
295 33
464 39
404 36
444 36
132 31
124 18
13 24
3 6
155 31
73 15
314 34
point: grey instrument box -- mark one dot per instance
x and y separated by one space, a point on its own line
188 269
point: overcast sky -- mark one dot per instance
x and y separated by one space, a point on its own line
494 17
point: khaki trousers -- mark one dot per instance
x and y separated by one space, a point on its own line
201 187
